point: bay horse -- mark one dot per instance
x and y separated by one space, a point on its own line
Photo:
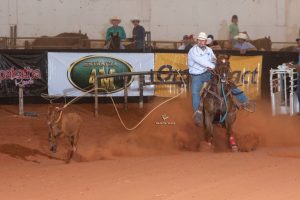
66 125
114 42
218 103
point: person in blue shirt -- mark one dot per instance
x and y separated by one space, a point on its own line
242 44
138 33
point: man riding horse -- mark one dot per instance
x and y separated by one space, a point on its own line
202 60
114 30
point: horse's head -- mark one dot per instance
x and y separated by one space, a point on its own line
115 41
53 118
222 69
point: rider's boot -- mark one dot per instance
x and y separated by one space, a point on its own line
198 118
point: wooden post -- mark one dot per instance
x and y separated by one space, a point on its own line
21 100
125 93
151 76
96 96
141 87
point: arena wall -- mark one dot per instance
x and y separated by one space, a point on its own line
166 19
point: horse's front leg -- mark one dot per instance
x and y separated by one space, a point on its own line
230 119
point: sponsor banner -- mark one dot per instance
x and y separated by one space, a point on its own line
165 62
72 74
28 71
246 72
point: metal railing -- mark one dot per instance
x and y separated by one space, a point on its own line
80 43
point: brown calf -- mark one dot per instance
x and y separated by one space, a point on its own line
65 125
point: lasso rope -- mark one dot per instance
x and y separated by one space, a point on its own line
119 116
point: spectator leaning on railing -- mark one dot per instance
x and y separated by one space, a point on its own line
242 44
213 44
187 43
227 45
138 33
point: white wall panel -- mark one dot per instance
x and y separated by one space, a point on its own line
166 19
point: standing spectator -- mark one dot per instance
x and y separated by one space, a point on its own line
242 45
138 33
233 28
114 29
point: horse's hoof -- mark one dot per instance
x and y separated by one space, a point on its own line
206 146
67 161
234 148
53 149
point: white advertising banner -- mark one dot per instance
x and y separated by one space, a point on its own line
72 74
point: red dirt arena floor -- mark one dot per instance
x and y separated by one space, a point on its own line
154 161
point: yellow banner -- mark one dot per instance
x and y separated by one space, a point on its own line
163 62
246 72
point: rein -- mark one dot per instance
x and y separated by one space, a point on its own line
223 96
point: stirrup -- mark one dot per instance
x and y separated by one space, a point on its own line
248 106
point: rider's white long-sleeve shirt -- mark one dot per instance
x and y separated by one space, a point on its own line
199 60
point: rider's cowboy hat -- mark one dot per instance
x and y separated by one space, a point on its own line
115 18
242 36
135 19
202 36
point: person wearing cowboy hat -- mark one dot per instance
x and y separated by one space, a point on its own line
201 59
115 28
242 44
138 33
187 43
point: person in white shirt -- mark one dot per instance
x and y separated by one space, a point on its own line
201 59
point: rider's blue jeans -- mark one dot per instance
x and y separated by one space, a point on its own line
197 84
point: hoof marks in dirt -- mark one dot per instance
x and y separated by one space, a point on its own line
248 142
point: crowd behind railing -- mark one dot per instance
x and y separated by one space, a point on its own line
141 40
